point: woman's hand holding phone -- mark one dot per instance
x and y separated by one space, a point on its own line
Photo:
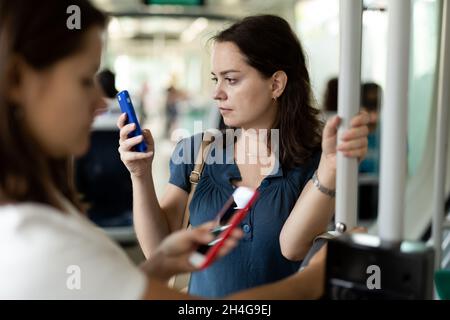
133 139
172 256
138 163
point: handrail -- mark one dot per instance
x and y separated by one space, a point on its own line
348 106
393 162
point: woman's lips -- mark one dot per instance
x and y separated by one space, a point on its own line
225 110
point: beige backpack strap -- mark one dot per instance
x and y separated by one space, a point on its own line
181 281
194 177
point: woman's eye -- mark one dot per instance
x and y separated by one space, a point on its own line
230 80
214 80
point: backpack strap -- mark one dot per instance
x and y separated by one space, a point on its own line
195 176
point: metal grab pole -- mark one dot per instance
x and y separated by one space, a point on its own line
394 124
441 135
348 105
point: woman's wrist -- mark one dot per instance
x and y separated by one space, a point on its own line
141 177
326 176
155 266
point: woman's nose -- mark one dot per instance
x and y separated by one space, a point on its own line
101 107
100 102
219 94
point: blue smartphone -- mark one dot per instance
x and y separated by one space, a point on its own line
126 106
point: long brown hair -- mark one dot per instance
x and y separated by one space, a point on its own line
270 45
37 33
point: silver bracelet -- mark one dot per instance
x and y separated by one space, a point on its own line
328 192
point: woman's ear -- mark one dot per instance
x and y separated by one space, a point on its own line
279 81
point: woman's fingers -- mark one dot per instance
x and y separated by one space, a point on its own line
181 244
121 120
237 234
147 137
126 145
128 156
126 130
358 126
231 243
331 127
353 145
357 153
227 247
355 133
362 119
354 141
207 226
202 234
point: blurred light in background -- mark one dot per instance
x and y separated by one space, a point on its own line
194 30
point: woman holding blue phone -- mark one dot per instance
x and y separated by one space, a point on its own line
126 106
261 85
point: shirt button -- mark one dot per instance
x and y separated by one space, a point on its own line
246 228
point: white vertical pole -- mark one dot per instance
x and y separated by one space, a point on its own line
348 105
441 135
394 123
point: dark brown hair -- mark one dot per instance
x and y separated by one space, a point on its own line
37 33
270 45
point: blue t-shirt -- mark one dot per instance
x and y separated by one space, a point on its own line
370 164
257 259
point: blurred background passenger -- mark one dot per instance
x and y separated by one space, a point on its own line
330 100
107 81
173 98
371 96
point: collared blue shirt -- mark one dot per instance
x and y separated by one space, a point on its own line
257 259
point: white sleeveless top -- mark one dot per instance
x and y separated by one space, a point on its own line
48 254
